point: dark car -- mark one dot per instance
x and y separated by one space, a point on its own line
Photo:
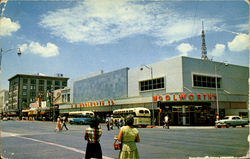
81 121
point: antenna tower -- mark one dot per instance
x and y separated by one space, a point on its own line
203 47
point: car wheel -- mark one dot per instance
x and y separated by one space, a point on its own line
81 123
70 123
243 126
234 126
228 125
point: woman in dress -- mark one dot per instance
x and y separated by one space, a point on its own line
58 124
93 135
129 136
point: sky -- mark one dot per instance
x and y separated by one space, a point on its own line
77 38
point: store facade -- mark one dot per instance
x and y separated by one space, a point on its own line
192 91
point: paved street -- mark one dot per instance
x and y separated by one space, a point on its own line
37 140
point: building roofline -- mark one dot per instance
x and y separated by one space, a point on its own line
41 76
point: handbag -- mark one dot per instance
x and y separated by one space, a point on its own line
117 146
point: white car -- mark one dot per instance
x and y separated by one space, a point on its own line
231 121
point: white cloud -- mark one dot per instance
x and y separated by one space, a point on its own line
239 43
106 21
49 50
218 50
7 27
184 48
242 27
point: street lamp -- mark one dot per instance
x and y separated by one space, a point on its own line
1 54
216 90
151 73
4 51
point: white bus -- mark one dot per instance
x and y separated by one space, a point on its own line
80 114
142 116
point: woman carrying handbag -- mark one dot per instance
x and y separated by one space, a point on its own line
93 135
129 136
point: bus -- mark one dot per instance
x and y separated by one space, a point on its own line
142 116
80 117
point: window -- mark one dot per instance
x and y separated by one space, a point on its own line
33 94
206 81
152 84
64 83
49 83
25 80
24 93
41 82
33 87
57 83
25 87
33 81
41 88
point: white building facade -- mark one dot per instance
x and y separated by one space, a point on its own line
191 91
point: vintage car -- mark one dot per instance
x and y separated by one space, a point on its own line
81 121
231 121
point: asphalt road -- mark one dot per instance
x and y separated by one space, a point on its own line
37 140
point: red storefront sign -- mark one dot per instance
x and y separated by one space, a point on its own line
185 97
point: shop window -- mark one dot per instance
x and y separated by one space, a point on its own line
206 81
152 84
243 114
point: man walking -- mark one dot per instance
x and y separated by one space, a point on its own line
166 122
64 123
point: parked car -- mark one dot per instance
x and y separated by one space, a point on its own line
81 121
231 121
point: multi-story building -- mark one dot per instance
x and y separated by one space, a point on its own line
25 89
192 91
4 96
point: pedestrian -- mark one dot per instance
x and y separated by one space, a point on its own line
166 122
64 123
121 122
117 124
93 135
58 124
108 123
128 136
111 123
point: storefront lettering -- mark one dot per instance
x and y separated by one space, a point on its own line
160 98
174 97
198 96
94 103
168 97
182 96
191 96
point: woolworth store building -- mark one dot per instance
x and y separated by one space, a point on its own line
191 91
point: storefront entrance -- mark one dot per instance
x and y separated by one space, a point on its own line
186 113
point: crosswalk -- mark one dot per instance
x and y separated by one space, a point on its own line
8 134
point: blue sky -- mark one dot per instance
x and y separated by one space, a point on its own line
80 37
